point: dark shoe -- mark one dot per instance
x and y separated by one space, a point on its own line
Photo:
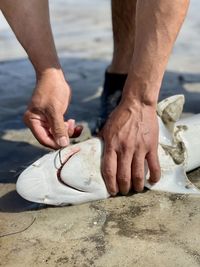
111 96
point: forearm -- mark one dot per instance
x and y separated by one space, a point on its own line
29 19
157 25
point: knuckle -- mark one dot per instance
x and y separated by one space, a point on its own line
109 149
138 178
124 146
141 147
58 134
108 173
50 111
58 129
124 180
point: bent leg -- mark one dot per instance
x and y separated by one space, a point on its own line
123 22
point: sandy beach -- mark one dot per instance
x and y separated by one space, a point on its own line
147 229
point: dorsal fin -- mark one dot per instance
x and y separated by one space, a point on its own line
170 110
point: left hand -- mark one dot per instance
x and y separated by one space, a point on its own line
45 113
130 136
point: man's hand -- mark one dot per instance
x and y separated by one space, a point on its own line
45 112
131 132
130 136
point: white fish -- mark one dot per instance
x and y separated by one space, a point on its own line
72 175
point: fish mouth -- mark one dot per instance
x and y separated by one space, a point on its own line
62 163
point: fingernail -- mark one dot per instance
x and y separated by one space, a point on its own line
63 141
113 193
71 124
124 193
71 121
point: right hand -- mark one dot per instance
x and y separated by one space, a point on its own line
130 136
45 112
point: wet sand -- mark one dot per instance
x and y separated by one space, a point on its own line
148 229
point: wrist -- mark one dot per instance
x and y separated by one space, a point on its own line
137 110
50 73
141 92
52 82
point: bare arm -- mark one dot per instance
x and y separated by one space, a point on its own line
131 132
30 22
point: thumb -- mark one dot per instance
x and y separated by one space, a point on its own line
59 130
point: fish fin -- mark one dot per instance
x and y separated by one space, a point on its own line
170 110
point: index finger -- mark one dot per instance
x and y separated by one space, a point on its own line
43 135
